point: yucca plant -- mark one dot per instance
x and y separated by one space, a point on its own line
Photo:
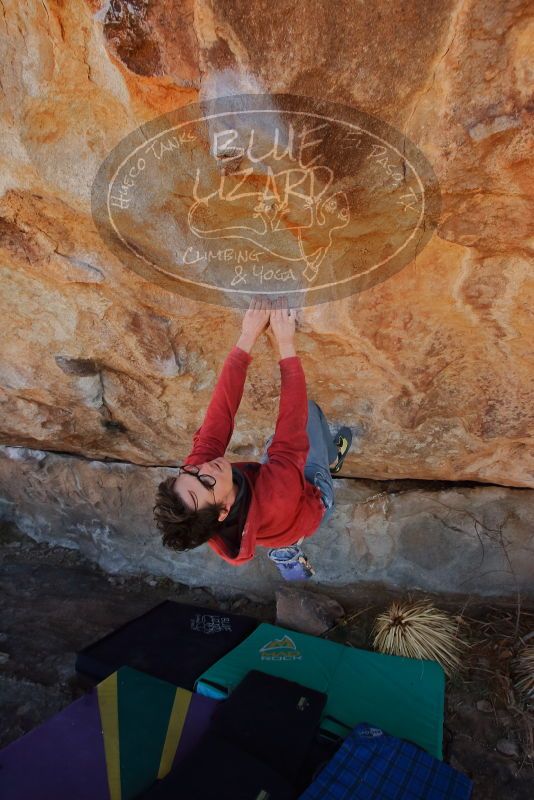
419 630
524 674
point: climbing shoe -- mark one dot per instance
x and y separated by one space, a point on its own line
343 441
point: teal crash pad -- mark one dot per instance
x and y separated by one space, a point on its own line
402 696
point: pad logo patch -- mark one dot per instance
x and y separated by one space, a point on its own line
210 623
283 649
370 733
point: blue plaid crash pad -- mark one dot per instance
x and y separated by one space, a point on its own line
403 696
370 765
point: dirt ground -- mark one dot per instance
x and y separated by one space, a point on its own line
53 602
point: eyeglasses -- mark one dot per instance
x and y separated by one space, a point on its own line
206 480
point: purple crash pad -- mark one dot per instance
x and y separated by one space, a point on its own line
196 724
63 758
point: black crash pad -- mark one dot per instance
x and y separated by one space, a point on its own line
173 641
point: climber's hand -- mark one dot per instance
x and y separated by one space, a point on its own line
282 321
256 319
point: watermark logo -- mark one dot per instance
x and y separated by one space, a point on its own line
257 194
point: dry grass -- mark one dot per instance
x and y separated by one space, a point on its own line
419 630
498 641
523 672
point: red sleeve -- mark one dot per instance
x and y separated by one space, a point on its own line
283 474
212 438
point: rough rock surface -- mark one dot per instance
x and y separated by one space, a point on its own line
430 367
476 539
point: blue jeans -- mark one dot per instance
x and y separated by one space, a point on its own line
323 452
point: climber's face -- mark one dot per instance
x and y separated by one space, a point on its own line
196 494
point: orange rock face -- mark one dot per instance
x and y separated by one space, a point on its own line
432 367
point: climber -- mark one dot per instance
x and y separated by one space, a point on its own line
234 506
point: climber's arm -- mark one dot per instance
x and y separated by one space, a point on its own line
288 451
211 439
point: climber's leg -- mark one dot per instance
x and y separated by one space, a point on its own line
322 453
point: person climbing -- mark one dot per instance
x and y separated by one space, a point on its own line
274 503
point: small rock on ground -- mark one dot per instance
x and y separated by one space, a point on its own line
508 748
306 612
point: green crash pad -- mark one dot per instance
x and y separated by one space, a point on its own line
145 722
402 696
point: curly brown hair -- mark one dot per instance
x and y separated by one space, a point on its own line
181 527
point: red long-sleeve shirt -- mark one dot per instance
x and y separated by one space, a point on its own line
284 506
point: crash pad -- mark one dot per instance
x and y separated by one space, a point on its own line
271 718
110 744
219 770
372 764
402 696
175 642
